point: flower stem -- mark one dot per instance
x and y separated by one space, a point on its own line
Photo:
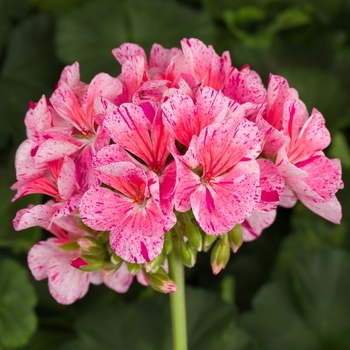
177 300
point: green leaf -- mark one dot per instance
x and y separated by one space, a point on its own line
17 300
89 33
340 149
309 310
83 38
322 90
29 70
310 232
57 7
167 22
47 339
144 325
290 18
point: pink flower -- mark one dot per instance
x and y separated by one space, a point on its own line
219 176
133 214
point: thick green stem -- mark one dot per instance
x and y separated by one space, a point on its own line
177 300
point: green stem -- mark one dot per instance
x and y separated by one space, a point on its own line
177 300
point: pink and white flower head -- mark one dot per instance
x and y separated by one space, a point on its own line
184 131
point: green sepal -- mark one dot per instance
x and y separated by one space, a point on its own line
133 268
116 259
153 266
187 254
194 236
236 238
208 241
220 254
70 246
103 237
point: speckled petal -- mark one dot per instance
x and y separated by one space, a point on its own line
253 226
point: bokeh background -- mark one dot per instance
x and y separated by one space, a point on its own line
289 289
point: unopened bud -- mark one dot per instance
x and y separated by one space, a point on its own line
70 246
153 266
87 264
90 245
208 241
187 254
133 268
194 236
220 254
168 245
115 259
161 282
236 238
103 237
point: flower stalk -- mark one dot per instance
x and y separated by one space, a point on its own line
178 300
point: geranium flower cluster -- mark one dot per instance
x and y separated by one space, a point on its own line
181 145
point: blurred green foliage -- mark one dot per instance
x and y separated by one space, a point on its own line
287 290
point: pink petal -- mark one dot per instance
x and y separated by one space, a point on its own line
178 112
288 199
101 85
136 248
128 126
71 76
38 257
102 209
38 215
26 168
86 176
66 283
66 180
53 149
161 57
330 210
133 72
229 199
256 223
127 51
68 207
67 106
39 119
272 186
273 139
160 137
41 185
313 137
277 94
222 145
120 281
245 86
323 180
211 106
294 117
188 182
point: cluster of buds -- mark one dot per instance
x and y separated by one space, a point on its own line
182 151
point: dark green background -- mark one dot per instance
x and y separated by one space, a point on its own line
290 289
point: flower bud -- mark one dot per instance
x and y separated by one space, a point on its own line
87 264
168 245
187 254
115 259
236 238
153 266
70 246
161 282
220 254
194 236
208 241
103 237
90 245
133 268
